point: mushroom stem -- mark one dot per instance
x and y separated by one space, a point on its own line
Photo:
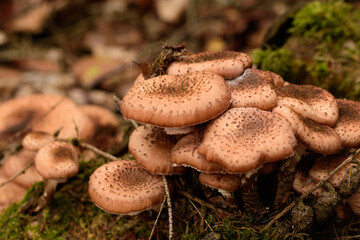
286 176
168 200
250 194
49 191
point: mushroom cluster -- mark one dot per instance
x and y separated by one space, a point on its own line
216 114
34 120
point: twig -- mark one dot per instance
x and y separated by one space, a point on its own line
157 218
168 199
200 214
98 151
31 163
306 194
198 200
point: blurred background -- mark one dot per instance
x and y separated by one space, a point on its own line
85 49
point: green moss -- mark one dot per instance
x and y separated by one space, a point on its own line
278 61
327 21
322 49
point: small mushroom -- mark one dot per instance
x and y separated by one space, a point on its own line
33 141
227 64
55 162
123 187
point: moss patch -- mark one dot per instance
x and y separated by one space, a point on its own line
323 49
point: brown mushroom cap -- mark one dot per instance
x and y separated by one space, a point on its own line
16 162
315 136
254 88
277 79
185 153
227 64
35 140
177 101
102 117
322 167
46 113
348 124
354 203
123 187
227 182
57 160
243 138
309 101
151 148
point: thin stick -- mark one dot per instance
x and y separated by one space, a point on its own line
198 200
168 199
157 217
200 214
17 174
306 194
98 151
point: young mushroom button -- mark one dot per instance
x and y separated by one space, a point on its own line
123 187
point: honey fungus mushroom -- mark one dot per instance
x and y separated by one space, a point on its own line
228 64
123 187
254 88
242 139
55 162
177 101
310 102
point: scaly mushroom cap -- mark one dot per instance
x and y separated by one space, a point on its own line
185 153
243 138
57 160
123 187
177 101
348 124
322 167
35 140
315 136
151 148
46 113
227 182
309 101
16 162
254 88
227 64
